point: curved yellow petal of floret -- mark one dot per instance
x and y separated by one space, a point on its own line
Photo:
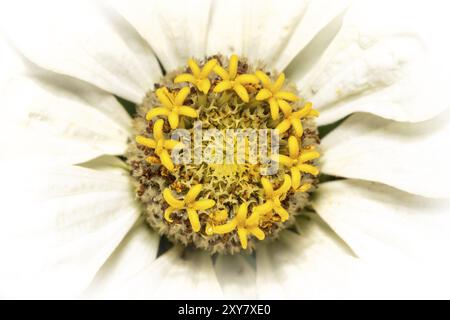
193 219
193 193
171 200
203 204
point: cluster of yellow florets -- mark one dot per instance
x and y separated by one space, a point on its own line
172 107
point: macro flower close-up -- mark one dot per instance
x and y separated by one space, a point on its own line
224 149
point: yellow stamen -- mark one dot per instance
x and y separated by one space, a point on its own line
193 193
171 200
203 204
224 228
199 78
160 144
172 106
272 91
230 79
167 214
150 143
193 219
245 226
273 198
297 162
166 160
263 94
274 108
155 112
293 119
189 204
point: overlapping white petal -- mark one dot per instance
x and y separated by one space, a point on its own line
10 63
396 69
317 265
58 226
174 275
377 220
318 15
269 31
83 40
176 30
136 252
411 157
64 123
314 264
237 277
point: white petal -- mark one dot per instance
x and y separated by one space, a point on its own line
174 275
137 251
318 14
14 65
50 123
375 219
58 226
411 157
226 28
236 276
176 30
11 63
317 265
256 29
395 68
269 31
314 264
109 164
83 40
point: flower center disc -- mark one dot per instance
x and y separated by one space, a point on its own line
225 155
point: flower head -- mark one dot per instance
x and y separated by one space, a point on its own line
102 101
230 182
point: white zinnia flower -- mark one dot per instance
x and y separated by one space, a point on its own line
70 225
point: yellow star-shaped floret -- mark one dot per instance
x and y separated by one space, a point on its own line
160 144
198 78
189 204
271 92
172 106
294 119
273 201
245 226
297 162
230 79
